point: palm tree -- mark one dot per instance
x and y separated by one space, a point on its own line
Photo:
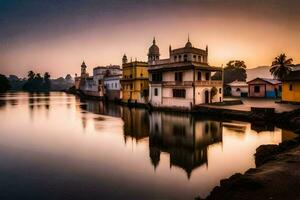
281 66
31 75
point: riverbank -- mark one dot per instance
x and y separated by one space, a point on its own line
277 175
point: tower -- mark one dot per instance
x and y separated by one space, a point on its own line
153 53
83 69
124 59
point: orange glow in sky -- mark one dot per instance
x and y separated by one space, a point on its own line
255 37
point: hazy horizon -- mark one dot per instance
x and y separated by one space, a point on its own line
56 36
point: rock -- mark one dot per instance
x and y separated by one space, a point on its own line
264 153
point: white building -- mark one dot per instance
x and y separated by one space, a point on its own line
238 89
94 85
112 87
184 79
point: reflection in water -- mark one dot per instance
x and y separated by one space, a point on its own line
136 123
165 156
184 138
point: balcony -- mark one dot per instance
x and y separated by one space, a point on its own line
177 83
209 83
191 83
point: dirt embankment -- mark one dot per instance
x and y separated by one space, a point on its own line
277 175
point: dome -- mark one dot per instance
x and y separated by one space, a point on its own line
154 50
188 44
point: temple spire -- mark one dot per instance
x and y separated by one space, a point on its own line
154 40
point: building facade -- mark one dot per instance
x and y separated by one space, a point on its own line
134 82
94 86
238 89
291 86
263 87
184 79
112 87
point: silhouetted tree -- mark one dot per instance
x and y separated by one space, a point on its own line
234 70
4 83
281 66
47 82
31 75
37 83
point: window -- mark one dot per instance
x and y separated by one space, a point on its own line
115 85
195 57
238 89
180 93
141 74
155 92
291 87
131 86
156 77
220 90
178 76
207 76
185 57
199 76
130 76
256 88
141 85
280 88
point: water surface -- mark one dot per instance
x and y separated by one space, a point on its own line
54 146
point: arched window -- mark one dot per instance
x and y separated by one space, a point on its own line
238 89
185 57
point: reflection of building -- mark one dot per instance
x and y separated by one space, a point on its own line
291 85
136 123
183 137
135 83
103 108
184 79
263 87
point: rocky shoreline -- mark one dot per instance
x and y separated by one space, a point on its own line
276 176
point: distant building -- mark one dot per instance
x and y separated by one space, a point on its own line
94 85
291 86
184 79
80 80
112 87
238 88
263 87
134 82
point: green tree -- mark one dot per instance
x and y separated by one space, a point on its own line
4 83
281 66
234 70
213 92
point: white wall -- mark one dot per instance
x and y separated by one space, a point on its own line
236 93
113 84
155 100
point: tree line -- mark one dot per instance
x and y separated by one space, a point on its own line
37 83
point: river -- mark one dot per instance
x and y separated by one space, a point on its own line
55 146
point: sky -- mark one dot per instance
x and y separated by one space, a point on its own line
55 36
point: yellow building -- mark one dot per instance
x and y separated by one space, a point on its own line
134 82
291 86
